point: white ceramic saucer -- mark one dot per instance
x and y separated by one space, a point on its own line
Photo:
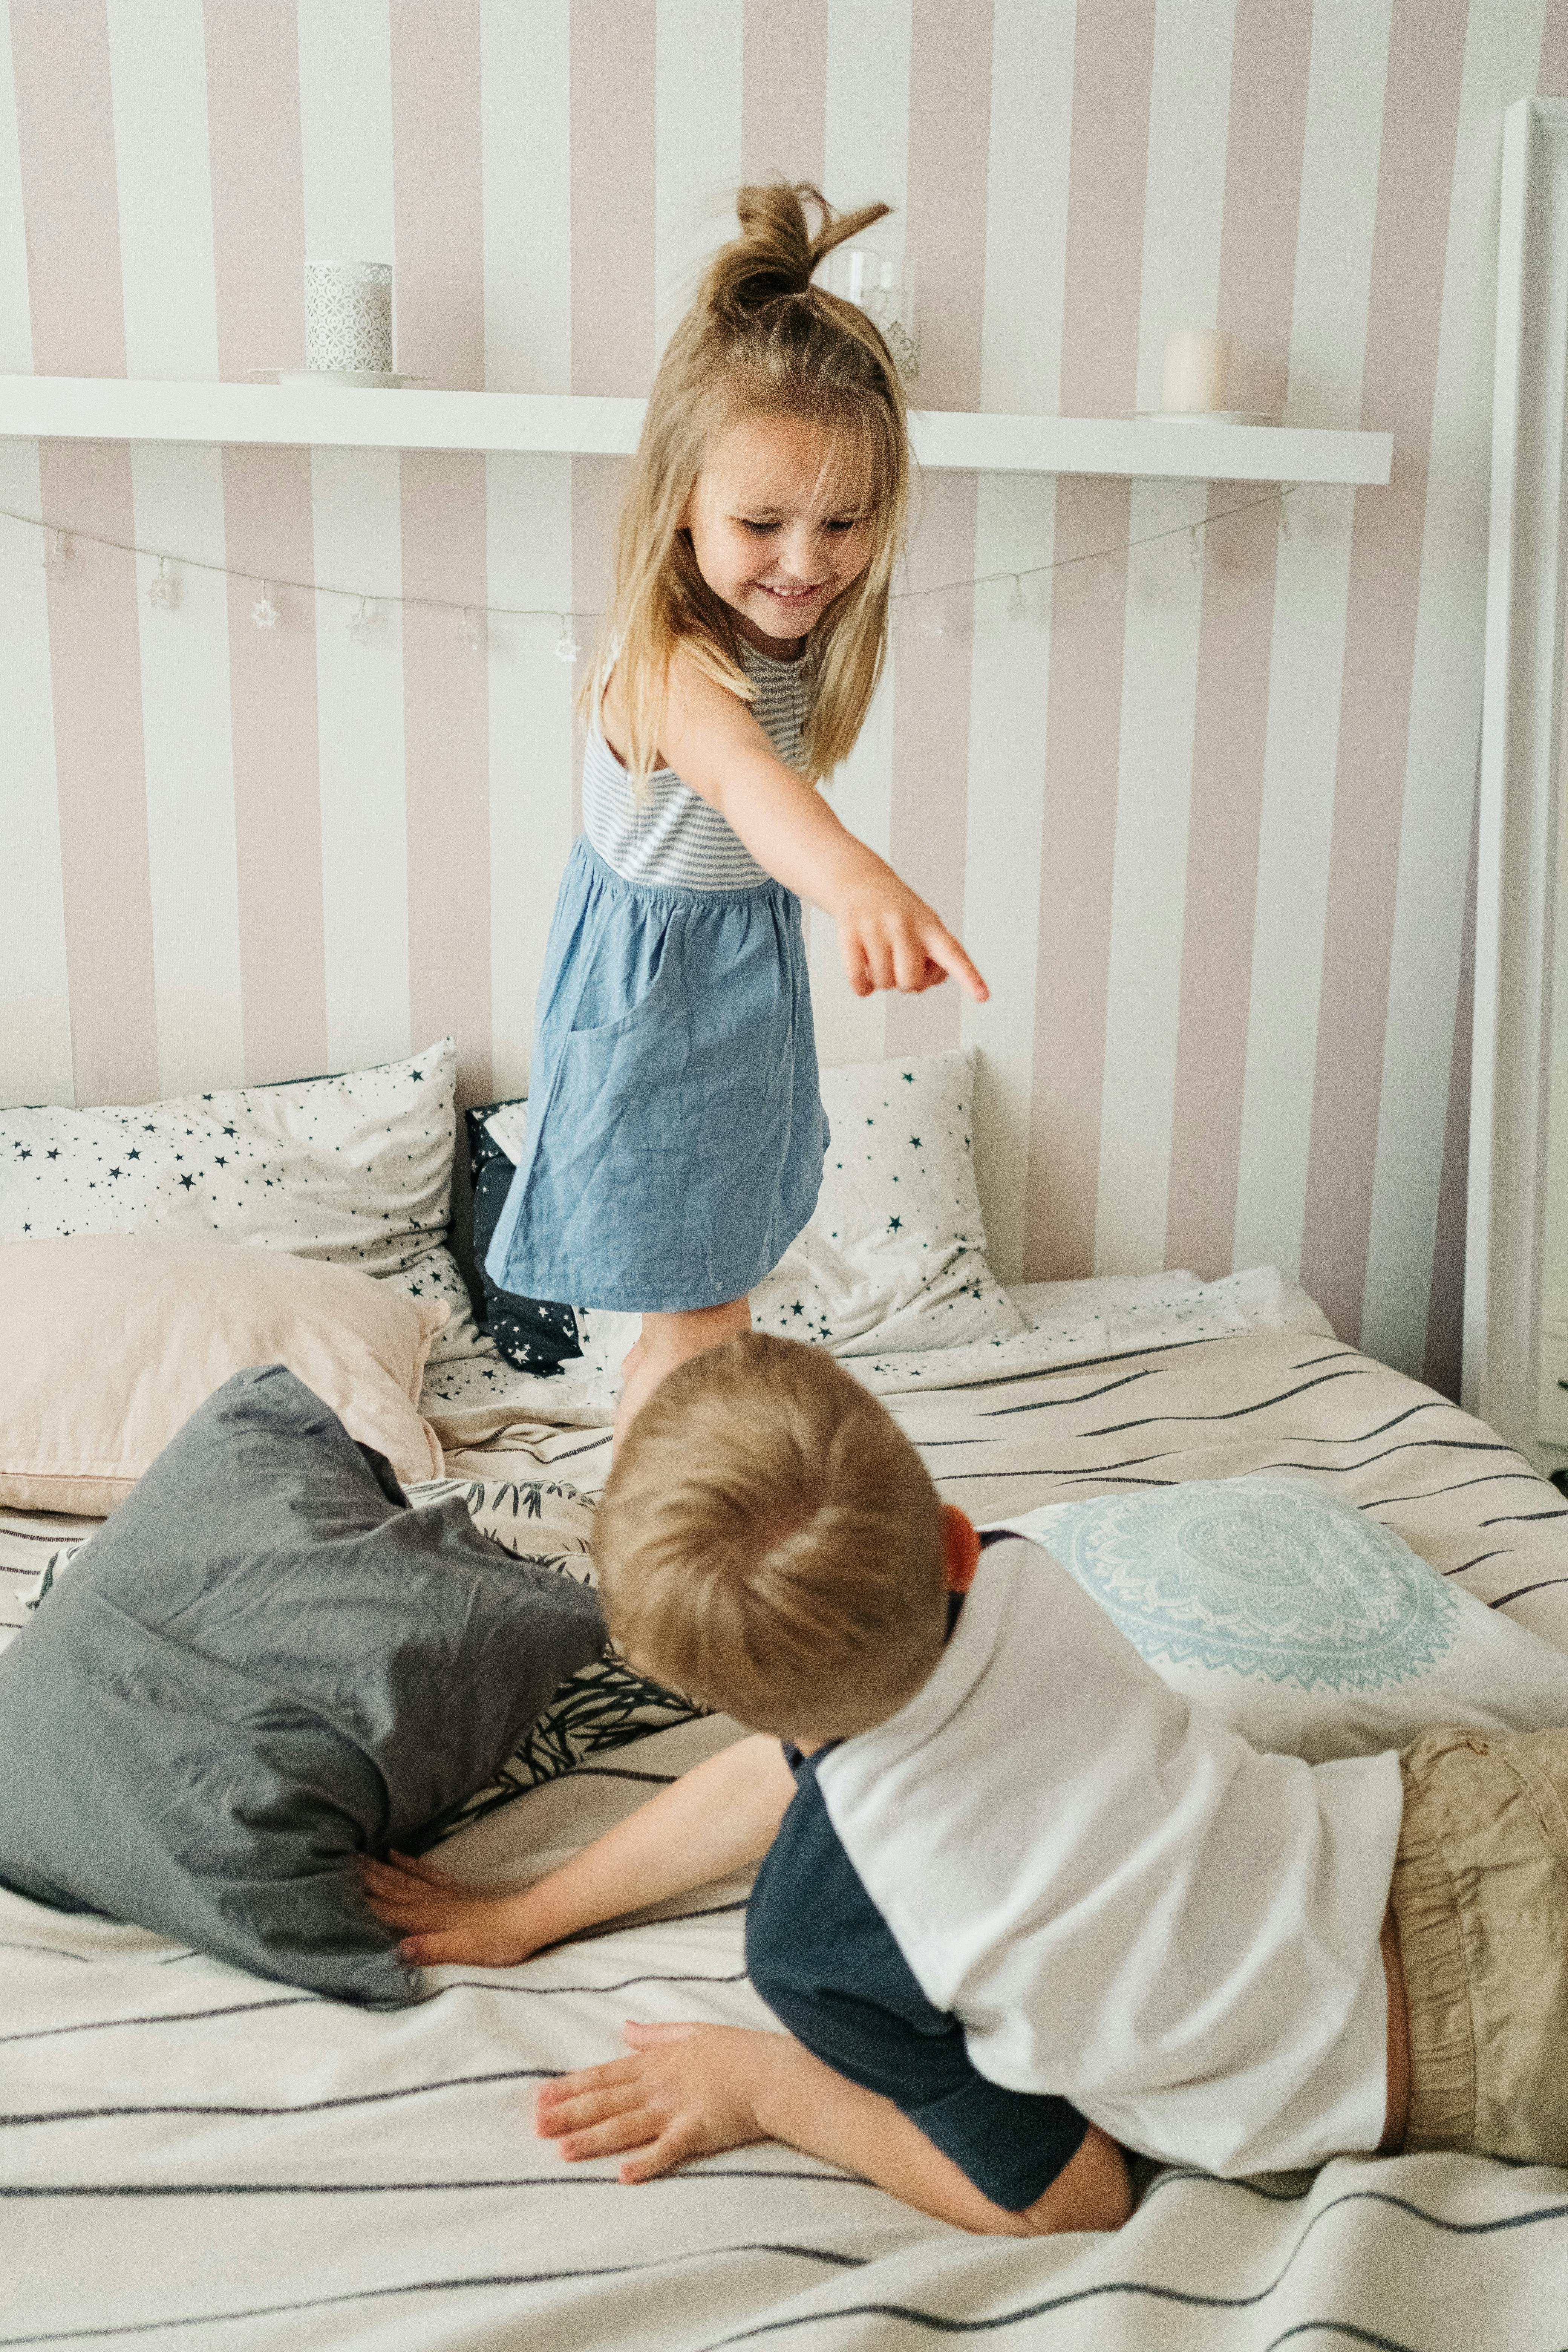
1206 416
368 379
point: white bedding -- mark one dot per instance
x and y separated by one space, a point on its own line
193 2156
1064 1323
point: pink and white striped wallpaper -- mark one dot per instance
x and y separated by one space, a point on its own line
1209 841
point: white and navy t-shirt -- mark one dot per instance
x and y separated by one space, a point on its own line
1118 1902
820 1954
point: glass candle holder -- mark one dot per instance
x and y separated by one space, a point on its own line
883 286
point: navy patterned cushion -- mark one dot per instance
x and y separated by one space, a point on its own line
533 1333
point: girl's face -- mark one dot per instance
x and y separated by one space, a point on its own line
772 529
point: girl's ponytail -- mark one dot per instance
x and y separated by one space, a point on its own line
775 255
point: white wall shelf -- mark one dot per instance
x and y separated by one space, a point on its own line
116 408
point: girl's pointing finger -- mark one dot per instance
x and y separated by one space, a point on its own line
944 950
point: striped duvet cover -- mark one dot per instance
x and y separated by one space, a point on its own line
192 2155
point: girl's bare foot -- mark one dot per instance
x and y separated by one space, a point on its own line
667 1341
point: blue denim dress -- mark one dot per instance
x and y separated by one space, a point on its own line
675 1131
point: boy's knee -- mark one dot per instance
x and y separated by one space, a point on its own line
1094 2192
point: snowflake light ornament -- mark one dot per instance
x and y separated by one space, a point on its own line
467 634
931 621
264 612
162 593
1284 518
566 646
359 623
1196 549
1018 602
57 563
1110 584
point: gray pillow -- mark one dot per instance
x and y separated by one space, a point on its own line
264 1665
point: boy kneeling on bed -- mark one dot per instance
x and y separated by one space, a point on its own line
1006 1869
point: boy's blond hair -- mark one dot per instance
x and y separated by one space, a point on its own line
760 341
771 1542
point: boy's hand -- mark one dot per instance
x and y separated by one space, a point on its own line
891 938
442 1919
687 2090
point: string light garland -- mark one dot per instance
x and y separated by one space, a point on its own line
163 594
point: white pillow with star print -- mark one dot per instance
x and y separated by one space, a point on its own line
355 1171
894 1256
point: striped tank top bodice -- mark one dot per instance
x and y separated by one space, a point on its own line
673 835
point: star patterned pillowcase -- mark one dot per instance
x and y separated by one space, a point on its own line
355 1171
894 1256
1304 1624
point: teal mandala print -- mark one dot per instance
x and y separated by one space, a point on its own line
1263 1577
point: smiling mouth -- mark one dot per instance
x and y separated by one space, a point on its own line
791 596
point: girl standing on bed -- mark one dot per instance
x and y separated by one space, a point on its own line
675 1133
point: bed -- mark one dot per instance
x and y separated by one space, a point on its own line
191 2154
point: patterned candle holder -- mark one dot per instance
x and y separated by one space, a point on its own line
348 316
883 286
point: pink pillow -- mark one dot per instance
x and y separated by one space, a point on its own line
109 1343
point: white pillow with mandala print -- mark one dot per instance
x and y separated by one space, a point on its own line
355 1171
1302 1623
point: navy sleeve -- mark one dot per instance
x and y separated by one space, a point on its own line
824 1958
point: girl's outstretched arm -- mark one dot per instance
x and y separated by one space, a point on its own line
720 1815
887 935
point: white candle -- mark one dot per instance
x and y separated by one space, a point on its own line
1197 369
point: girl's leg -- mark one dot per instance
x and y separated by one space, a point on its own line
667 1341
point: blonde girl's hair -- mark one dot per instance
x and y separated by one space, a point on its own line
771 1542
760 341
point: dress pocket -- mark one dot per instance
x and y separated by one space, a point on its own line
653 994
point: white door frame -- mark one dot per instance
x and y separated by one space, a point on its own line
1520 761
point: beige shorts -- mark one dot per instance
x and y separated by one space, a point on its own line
1480 1901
